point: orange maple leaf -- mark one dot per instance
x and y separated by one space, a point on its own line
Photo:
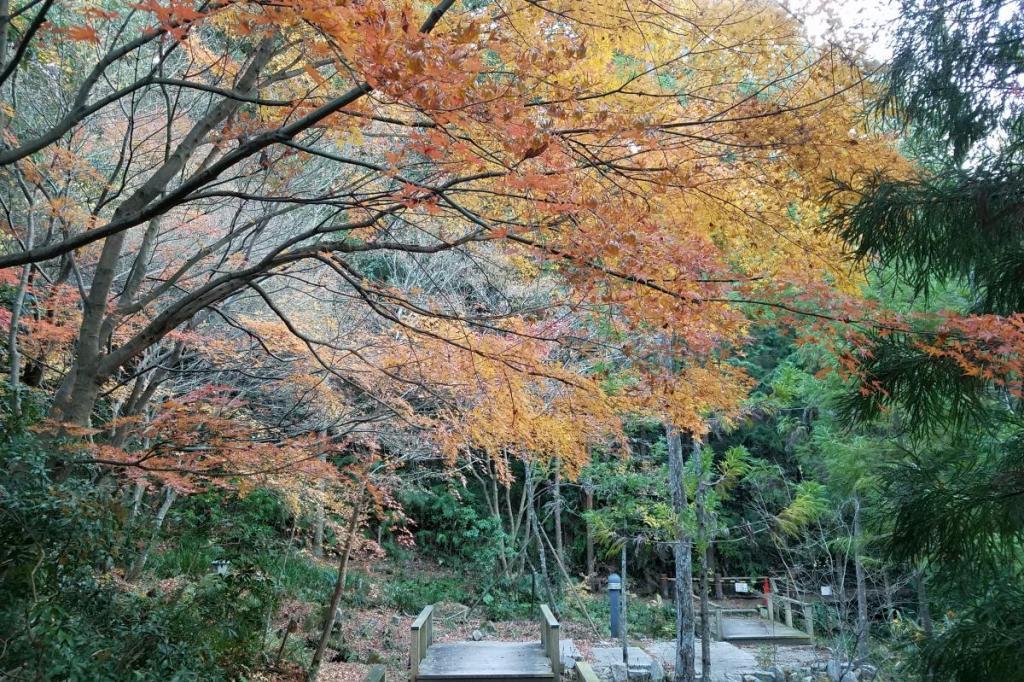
83 33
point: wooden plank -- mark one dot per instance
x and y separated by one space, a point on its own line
485 660
584 673
744 630
376 674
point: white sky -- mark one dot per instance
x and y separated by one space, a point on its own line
863 22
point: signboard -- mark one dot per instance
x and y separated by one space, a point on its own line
826 590
743 588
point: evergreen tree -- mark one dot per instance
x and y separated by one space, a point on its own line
957 496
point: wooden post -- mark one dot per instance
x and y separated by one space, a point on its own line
789 612
663 585
771 607
809 621
421 637
550 639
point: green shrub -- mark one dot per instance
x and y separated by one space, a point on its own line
66 615
410 596
648 618
457 532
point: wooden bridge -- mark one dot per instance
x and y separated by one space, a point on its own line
490 661
777 624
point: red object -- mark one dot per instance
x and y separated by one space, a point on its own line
766 588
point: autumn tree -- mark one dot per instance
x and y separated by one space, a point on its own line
185 185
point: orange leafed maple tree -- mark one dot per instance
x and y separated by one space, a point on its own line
331 184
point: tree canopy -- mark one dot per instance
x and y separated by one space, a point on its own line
744 285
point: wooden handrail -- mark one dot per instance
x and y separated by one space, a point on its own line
584 673
806 611
797 602
549 639
422 636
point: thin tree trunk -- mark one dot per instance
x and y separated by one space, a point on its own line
862 597
13 353
489 487
506 551
5 19
924 610
588 505
339 588
318 520
140 562
140 491
705 619
531 512
579 602
682 552
556 493
713 566
704 542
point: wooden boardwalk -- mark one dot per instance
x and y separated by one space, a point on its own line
485 661
492 661
761 631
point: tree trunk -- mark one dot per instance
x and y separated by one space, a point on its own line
862 597
318 519
140 562
682 551
80 389
339 588
531 511
588 505
503 537
13 354
556 494
705 619
489 488
704 543
140 491
923 609
713 566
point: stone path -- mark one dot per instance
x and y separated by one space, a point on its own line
728 662
648 664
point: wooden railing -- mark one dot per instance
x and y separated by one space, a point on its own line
422 637
717 612
584 673
788 604
549 639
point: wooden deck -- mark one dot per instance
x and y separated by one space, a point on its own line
536 661
491 661
760 631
